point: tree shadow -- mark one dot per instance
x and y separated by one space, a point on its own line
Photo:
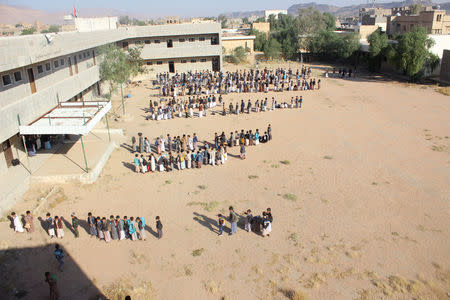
151 231
27 281
207 222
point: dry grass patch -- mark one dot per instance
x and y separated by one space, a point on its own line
293 294
275 166
202 187
188 270
285 162
57 197
208 206
198 252
290 197
444 90
123 287
328 157
314 281
253 176
438 148
211 286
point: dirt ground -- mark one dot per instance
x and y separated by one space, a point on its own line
358 183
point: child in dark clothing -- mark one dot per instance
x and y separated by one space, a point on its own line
159 227
221 224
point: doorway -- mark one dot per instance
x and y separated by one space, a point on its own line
169 44
171 67
6 147
215 64
76 64
70 66
31 79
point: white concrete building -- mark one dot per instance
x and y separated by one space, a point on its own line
39 71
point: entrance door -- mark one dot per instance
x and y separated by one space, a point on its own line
6 146
70 67
171 67
76 64
31 79
215 64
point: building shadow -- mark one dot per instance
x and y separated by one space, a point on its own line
207 222
24 278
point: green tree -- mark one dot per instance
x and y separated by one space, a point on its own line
272 49
287 35
412 52
28 31
260 20
137 22
245 20
117 66
260 39
223 20
51 28
332 45
416 8
124 20
310 23
377 49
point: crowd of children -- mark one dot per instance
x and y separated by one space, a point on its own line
260 224
185 152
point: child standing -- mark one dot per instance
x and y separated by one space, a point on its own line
248 220
159 227
221 222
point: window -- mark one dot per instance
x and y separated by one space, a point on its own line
157 41
147 42
17 76
439 18
84 54
159 62
80 56
40 69
61 62
191 39
215 40
169 44
203 60
202 39
182 40
183 61
88 54
193 61
6 80
47 67
149 63
55 64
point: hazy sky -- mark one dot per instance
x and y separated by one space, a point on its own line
172 7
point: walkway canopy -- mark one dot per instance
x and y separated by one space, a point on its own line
77 118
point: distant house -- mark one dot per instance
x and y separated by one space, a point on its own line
434 21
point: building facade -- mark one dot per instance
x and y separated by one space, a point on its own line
39 71
434 21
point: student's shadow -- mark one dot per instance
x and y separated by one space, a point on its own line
11 225
67 224
152 232
128 165
43 224
84 224
207 222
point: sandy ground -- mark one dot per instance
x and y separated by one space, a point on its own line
360 204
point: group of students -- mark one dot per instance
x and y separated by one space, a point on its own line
188 153
241 81
260 224
107 229
185 108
